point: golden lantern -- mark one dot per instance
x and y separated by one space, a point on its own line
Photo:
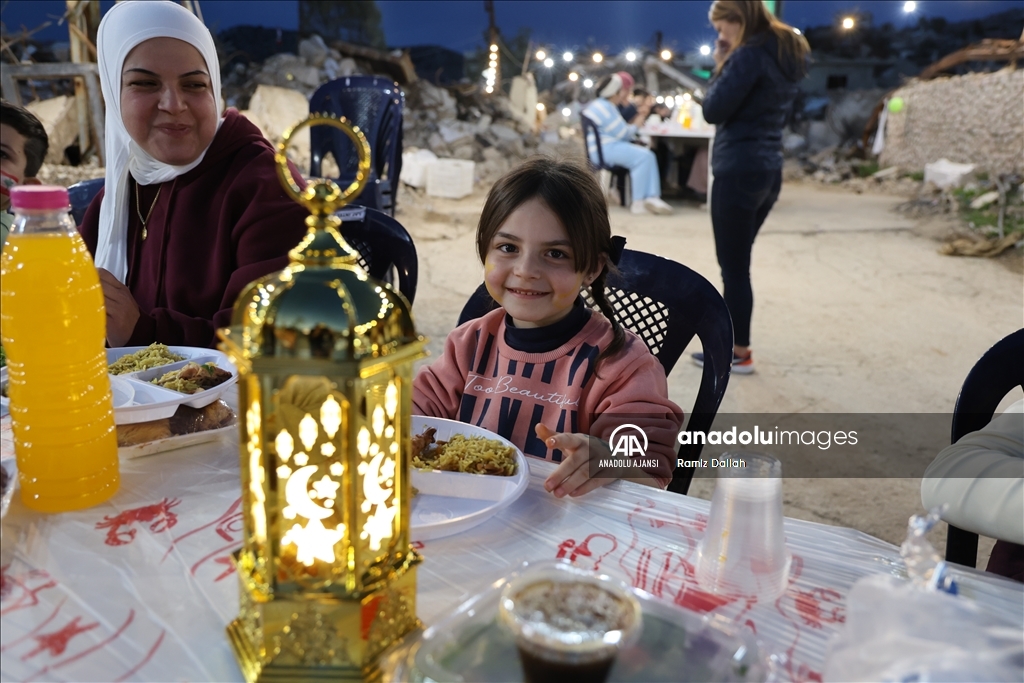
324 356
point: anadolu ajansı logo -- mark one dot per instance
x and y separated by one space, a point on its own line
628 444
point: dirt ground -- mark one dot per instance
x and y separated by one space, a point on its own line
855 312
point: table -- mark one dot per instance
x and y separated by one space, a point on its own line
673 129
141 588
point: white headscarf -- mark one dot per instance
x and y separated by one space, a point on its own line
614 86
126 25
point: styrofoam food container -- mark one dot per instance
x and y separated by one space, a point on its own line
452 502
152 402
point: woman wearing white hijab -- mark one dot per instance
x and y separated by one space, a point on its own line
617 146
192 210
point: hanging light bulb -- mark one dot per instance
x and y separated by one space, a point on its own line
574 77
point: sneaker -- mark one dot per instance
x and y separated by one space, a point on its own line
740 366
657 205
638 208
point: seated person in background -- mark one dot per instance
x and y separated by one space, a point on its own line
23 145
979 478
635 109
618 149
543 370
192 209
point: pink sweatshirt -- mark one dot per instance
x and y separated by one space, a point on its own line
481 380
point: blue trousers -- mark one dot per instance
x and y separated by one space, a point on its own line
642 165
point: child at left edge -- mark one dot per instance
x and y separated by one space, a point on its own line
23 145
544 370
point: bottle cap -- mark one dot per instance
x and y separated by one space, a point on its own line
39 198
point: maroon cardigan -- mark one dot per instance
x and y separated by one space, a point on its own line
212 231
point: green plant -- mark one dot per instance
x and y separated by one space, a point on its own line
916 175
868 169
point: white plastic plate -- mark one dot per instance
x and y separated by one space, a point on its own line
151 402
172 443
451 502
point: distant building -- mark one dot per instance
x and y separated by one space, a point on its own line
437 64
828 74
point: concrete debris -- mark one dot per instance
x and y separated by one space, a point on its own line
274 109
60 120
985 200
314 51
886 173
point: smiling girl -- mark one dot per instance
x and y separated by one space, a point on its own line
544 370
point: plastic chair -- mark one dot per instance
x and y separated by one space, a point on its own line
665 304
374 104
992 377
386 250
81 195
620 174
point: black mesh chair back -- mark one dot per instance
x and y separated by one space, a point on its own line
992 377
80 195
666 304
620 174
375 105
386 250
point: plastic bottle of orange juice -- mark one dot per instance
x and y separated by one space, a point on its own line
53 325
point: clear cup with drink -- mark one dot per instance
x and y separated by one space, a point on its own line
569 624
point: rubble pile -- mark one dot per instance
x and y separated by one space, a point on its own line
974 119
453 123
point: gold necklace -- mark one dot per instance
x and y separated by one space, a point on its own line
138 210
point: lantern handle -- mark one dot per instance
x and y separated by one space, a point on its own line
322 196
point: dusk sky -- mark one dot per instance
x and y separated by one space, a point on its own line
459 25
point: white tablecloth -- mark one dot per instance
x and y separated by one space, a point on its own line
142 587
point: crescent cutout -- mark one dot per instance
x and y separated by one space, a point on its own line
297 494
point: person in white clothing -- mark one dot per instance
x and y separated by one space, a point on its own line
980 479
617 148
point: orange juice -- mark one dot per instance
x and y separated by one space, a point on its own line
53 326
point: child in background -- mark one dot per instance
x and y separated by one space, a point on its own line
544 370
23 145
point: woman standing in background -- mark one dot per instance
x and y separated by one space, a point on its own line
759 61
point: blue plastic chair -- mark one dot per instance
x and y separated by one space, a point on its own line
992 377
386 250
620 174
81 195
375 105
665 304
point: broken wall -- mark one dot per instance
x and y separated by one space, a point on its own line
971 119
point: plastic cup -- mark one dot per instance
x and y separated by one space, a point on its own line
743 552
568 623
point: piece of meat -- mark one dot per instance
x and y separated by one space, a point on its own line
421 442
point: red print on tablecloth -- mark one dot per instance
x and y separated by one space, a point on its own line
21 591
809 606
57 641
596 547
158 515
71 659
804 607
665 573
